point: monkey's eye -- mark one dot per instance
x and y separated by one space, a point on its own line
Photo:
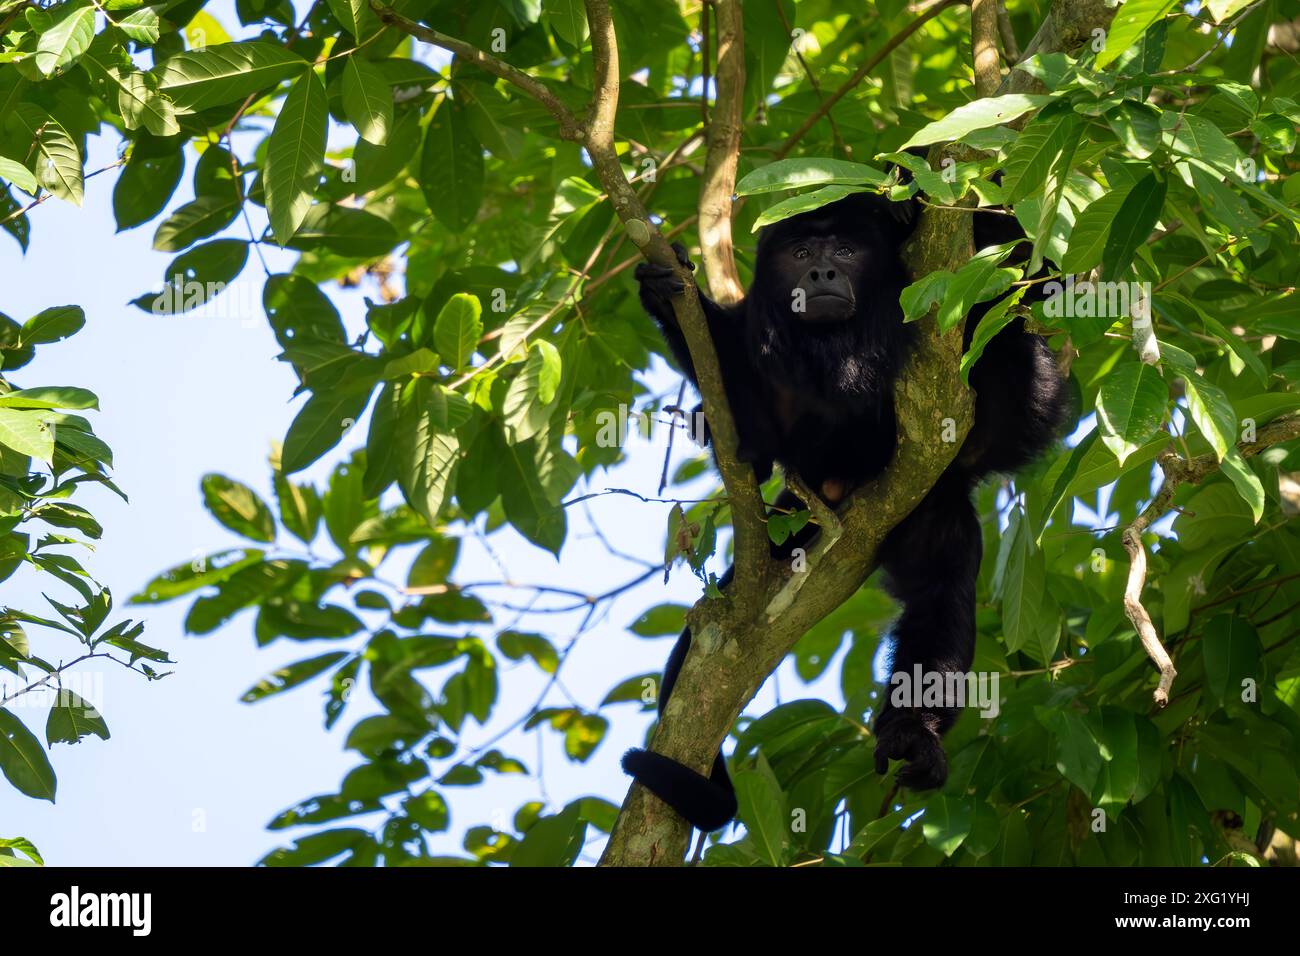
844 252
802 253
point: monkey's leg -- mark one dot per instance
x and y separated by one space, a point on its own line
932 560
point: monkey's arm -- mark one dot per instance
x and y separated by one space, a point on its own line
658 286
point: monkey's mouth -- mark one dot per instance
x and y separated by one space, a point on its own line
828 307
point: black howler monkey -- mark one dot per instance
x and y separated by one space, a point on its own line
809 359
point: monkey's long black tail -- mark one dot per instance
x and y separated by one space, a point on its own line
707 803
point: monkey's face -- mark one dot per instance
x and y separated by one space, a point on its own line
823 272
823 267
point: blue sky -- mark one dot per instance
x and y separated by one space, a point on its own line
181 396
190 775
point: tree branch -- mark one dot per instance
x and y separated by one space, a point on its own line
1069 24
748 518
861 74
984 46
597 136
1007 32
723 137
1179 471
570 128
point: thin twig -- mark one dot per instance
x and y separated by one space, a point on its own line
860 74
1179 471
672 433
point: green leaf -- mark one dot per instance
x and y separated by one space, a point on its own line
142 25
660 621
583 735
49 397
1062 485
1198 137
976 281
458 328
295 155
141 103
1092 229
1036 151
63 42
448 410
27 432
55 158
18 174
291 675
451 168
72 718
552 841
1117 736
526 406
250 585
147 181
320 425
1134 18
300 508
516 646
23 760
993 322
426 455
808 171
568 18
1136 217
1078 751
947 822
1212 413
376 166
978 114
762 810
1245 481
1231 651
194 221
1137 127
52 325
355 16
1131 406
23 846
196 277
367 100
297 310
1022 593
524 498
919 297
1215 514
804 202
238 507
198 79
192 575
317 847
344 231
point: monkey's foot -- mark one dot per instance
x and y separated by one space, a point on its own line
908 735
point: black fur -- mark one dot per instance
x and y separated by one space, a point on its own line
814 392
